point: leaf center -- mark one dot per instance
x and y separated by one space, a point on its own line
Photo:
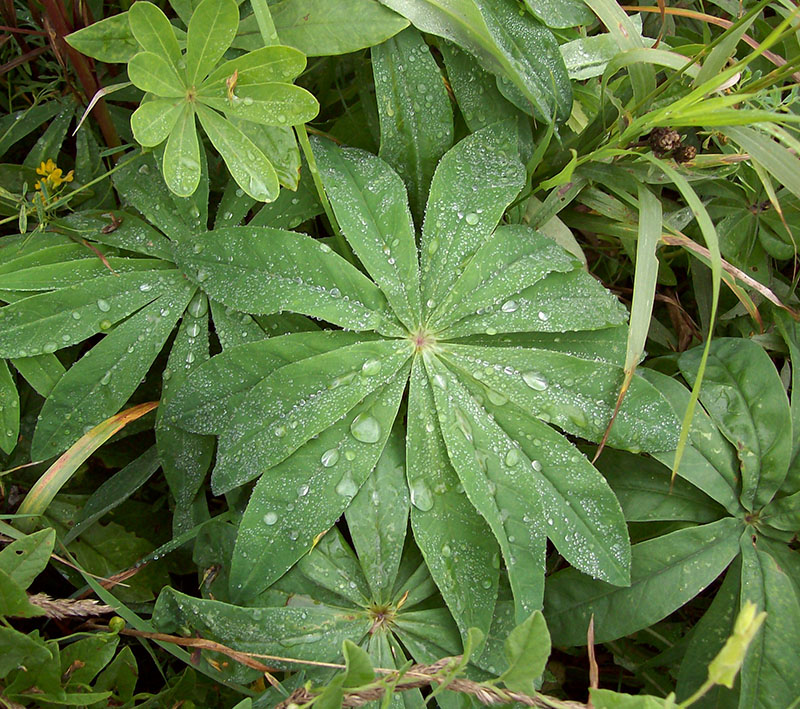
422 340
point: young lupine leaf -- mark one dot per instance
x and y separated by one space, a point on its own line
768 676
499 487
211 31
248 165
306 493
9 409
153 31
359 668
575 394
269 104
385 651
473 184
182 170
378 518
527 649
459 549
298 401
70 273
99 384
55 252
50 321
154 74
41 372
743 393
414 110
309 633
218 386
108 40
131 233
428 634
666 572
153 121
265 65
369 201
263 270
335 567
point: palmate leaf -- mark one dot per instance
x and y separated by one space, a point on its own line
481 414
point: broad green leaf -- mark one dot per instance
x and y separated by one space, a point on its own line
301 400
14 601
18 649
71 273
359 667
609 699
154 74
87 656
14 257
706 640
153 31
560 13
558 303
290 209
263 66
332 565
41 372
114 491
313 633
306 493
269 104
279 144
587 57
50 321
322 28
646 493
768 676
506 497
510 260
98 385
377 518
263 270
789 332
215 390
709 463
473 184
109 40
211 31
428 634
182 169
508 43
185 457
248 165
153 121
575 394
24 559
455 541
369 201
9 409
414 110
527 650
743 393
783 513
666 572
131 233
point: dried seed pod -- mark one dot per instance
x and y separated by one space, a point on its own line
663 140
685 153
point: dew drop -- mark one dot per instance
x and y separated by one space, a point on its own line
544 317
198 305
365 428
76 315
347 486
302 491
280 431
270 518
106 378
105 324
512 458
440 381
103 306
471 219
371 367
535 381
446 550
421 495
509 306
536 465
329 458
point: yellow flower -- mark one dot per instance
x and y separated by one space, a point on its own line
53 175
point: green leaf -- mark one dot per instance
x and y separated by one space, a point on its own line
456 542
263 66
560 14
306 493
511 44
50 321
527 651
321 28
308 633
768 676
666 572
743 393
414 110
24 559
369 202
153 31
575 394
359 667
154 74
109 40
377 518
87 656
98 385
473 184
13 599
153 121
182 170
263 270
41 372
385 651
17 649
211 31
69 273
608 699
269 104
9 409
248 165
